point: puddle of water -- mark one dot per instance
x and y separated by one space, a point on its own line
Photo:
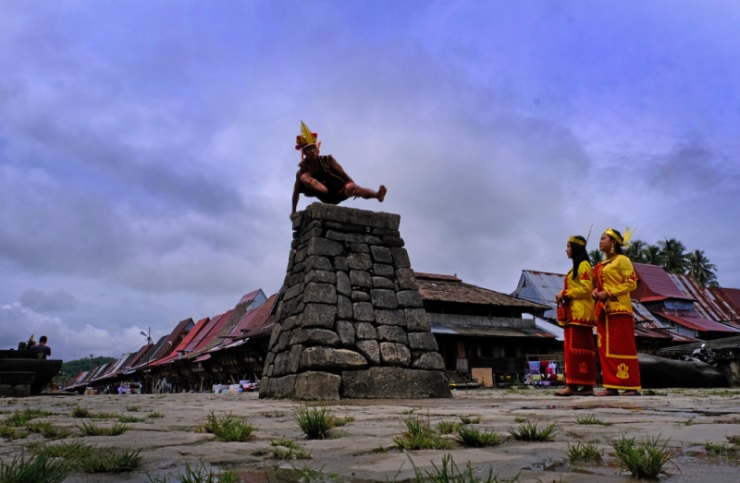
549 464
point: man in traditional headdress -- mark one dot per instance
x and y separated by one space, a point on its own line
323 177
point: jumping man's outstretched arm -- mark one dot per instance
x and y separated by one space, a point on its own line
296 194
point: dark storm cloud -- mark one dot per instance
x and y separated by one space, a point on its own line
44 227
694 166
41 301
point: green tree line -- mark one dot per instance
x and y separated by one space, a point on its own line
71 369
670 254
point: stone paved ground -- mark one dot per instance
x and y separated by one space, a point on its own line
363 449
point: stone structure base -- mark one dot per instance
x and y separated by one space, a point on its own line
350 320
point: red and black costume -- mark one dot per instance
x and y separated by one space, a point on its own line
324 173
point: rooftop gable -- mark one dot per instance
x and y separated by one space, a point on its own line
450 288
211 331
254 322
654 284
181 347
539 287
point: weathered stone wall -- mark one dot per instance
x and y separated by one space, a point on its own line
350 320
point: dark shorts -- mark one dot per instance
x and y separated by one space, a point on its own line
336 192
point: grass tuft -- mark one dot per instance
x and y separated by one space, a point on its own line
591 419
37 469
68 450
343 421
315 422
448 427
419 435
285 449
199 475
125 418
273 414
470 419
450 473
473 437
529 431
20 418
228 427
80 412
86 458
11 432
108 460
645 459
48 431
719 449
133 408
583 452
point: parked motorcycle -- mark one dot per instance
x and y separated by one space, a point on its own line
703 354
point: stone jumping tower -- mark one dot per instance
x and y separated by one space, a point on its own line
350 320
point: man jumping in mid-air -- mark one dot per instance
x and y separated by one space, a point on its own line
323 177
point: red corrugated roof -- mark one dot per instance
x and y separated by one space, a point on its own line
248 298
212 329
730 298
654 283
179 350
697 323
713 304
731 294
254 322
172 340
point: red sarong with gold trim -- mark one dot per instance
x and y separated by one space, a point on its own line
620 368
580 355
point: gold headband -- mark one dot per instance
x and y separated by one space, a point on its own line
575 240
622 240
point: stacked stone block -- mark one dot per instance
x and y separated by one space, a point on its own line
350 320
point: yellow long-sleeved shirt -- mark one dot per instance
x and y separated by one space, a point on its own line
617 278
578 293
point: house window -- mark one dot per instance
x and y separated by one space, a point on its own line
509 351
485 349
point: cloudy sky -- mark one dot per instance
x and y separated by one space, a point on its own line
147 147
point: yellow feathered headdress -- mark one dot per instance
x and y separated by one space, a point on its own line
623 240
305 138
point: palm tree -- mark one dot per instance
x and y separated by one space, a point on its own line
672 253
700 269
596 256
635 251
651 254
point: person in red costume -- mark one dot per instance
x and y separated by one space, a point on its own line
576 315
615 278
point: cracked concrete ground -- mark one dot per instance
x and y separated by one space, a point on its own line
363 450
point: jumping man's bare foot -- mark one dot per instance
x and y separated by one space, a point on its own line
381 193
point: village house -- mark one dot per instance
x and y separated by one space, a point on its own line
482 334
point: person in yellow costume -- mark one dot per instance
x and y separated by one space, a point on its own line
615 278
323 177
576 315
